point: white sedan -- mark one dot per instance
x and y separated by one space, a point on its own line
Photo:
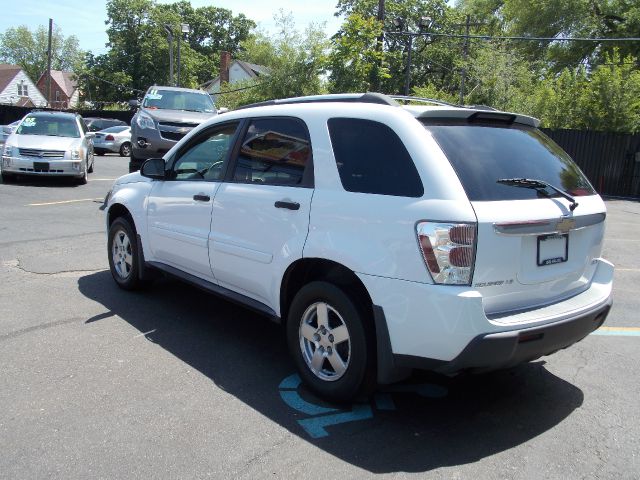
113 139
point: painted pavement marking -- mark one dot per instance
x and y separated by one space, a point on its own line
62 202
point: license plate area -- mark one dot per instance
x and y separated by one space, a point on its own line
40 166
552 249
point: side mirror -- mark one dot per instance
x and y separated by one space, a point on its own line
154 169
222 110
134 103
90 135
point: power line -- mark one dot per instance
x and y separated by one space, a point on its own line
530 39
119 85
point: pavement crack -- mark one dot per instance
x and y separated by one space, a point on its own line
35 328
256 458
16 265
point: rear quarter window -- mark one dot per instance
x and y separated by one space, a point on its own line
371 158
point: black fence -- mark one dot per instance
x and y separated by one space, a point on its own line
9 113
611 161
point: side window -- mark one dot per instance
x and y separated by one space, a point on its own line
371 158
275 151
204 159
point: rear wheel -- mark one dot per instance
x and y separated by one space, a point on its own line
329 344
125 149
123 254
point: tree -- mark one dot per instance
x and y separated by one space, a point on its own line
296 62
21 46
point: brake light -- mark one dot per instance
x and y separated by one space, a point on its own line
109 138
448 250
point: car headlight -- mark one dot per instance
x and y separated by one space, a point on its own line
75 154
145 121
8 151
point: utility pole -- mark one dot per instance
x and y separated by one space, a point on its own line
407 80
170 38
465 54
375 82
49 63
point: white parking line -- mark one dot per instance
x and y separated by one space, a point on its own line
102 179
64 201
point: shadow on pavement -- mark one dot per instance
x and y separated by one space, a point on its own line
246 356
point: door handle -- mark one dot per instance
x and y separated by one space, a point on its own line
287 205
202 198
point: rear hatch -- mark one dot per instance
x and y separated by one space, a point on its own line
534 245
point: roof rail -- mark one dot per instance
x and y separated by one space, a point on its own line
408 98
369 97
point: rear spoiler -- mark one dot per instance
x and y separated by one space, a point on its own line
471 115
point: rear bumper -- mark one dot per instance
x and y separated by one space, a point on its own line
446 329
506 349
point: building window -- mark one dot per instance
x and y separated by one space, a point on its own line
23 90
57 95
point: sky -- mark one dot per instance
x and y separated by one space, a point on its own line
85 18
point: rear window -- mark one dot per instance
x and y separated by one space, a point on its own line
483 154
371 158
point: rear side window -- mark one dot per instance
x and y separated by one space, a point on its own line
483 154
371 158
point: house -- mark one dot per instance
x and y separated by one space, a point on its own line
16 88
233 72
64 89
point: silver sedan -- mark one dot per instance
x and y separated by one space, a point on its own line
113 139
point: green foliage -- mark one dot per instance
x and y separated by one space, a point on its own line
296 62
21 46
354 59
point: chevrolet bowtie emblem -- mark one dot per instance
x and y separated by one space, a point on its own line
565 224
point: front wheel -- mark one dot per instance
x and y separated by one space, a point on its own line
123 254
85 176
329 344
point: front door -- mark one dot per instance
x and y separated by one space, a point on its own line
179 210
261 214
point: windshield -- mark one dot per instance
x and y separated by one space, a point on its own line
49 125
483 154
178 100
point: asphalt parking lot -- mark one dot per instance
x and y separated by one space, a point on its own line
175 383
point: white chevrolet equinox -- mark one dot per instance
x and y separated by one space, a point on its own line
383 237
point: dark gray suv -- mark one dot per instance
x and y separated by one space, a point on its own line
165 115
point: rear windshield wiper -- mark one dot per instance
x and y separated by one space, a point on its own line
538 185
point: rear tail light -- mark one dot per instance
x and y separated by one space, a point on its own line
449 251
109 138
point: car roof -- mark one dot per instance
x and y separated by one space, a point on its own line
435 110
41 113
176 89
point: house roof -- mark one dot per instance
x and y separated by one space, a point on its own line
7 73
64 79
252 70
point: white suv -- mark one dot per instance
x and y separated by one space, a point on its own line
383 237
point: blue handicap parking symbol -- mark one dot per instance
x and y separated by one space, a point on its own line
321 417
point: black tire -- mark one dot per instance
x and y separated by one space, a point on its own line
90 167
125 149
359 375
128 278
85 177
8 178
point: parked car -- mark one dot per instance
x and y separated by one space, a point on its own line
165 115
95 124
384 237
6 130
51 144
113 139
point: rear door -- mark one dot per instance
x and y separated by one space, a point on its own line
532 247
261 214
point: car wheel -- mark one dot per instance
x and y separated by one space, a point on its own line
125 149
123 254
329 344
90 168
8 178
85 176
